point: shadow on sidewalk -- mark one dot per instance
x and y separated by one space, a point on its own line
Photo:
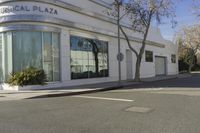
76 93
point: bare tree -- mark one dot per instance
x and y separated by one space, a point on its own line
196 7
189 44
141 15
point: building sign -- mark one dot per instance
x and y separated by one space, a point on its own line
23 8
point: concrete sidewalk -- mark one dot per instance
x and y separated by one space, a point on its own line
77 90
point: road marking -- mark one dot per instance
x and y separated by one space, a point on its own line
138 90
104 98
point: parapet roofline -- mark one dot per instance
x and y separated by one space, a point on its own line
102 3
78 9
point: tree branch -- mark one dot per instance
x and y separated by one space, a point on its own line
127 39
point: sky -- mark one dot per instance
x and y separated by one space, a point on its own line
184 17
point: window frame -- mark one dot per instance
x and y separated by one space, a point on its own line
92 38
146 56
173 58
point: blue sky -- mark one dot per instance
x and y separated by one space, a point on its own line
184 17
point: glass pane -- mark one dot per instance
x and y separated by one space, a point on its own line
31 49
80 70
73 69
74 63
94 57
47 55
85 69
7 51
74 42
56 57
100 59
79 58
27 50
92 69
1 59
149 56
105 59
173 58
96 53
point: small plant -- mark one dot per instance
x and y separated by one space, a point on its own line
29 76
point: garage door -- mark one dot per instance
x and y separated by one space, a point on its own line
160 66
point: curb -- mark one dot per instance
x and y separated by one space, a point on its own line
96 90
104 89
76 93
164 79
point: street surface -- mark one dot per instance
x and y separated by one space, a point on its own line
171 106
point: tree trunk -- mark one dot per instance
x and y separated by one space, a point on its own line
137 69
190 68
139 57
191 64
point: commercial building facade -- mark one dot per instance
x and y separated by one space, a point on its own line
75 43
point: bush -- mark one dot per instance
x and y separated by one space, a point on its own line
196 67
29 76
183 66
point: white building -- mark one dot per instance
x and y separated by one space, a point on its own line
75 42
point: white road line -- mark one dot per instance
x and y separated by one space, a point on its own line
104 98
142 89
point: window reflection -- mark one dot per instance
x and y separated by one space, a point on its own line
27 49
89 58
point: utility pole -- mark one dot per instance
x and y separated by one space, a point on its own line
119 43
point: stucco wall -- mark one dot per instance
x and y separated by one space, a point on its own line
80 23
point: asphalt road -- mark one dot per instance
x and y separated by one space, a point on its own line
171 106
188 82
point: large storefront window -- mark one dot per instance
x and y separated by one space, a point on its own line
23 49
89 58
27 48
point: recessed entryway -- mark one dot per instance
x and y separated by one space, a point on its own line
160 65
129 64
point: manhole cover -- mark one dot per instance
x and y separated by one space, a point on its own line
139 109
